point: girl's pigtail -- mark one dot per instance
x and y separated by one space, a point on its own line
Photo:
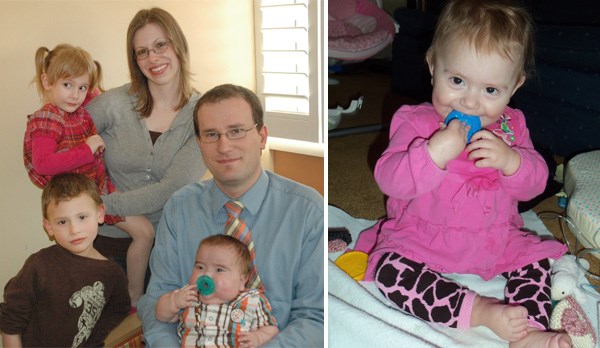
98 77
41 61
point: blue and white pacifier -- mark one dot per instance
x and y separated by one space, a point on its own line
473 121
206 285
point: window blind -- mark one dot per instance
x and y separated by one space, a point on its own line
289 70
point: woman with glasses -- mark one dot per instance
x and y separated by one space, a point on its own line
151 150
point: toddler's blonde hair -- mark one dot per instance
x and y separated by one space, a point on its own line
490 27
65 61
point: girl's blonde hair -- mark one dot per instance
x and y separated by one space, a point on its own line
139 82
65 61
489 26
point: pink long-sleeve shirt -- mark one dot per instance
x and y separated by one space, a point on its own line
461 219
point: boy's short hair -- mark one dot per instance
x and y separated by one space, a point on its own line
228 91
499 26
224 240
63 187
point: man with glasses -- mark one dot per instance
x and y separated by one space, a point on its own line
285 219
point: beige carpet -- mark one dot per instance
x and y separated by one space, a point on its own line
352 158
351 184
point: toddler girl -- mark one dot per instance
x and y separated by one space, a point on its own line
452 204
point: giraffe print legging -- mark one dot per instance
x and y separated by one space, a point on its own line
424 293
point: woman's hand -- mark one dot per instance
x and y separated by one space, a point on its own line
448 142
490 151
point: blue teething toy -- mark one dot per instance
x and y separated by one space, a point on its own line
473 121
206 285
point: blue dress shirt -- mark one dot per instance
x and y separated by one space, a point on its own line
286 220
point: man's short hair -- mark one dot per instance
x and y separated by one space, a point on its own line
228 91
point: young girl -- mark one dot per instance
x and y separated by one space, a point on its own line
453 199
61 137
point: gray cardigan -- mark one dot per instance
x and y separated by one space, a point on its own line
145 175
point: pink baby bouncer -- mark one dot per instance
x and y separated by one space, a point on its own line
358 29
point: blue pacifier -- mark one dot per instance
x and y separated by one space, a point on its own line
473 121
206 285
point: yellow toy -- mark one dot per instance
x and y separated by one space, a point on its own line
354 263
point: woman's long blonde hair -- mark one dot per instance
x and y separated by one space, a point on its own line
139 82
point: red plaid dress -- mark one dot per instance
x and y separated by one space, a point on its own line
69 132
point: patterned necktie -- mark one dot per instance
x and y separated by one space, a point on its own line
237 228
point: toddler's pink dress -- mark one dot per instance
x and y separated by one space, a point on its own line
462 219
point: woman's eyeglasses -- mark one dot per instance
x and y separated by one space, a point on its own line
159 48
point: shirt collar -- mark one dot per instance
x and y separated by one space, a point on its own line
56 110
251 199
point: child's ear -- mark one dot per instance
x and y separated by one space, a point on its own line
101 213
519 84
243 282
45 82
429 60
48 227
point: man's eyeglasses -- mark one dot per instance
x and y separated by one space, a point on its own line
234 134
159 48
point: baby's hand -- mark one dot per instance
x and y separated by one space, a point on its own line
95 143
248 339
448 142
490 151
185 297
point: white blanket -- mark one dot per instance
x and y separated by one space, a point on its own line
359 316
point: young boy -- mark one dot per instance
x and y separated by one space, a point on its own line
66 295
245 314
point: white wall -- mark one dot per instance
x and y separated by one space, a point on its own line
221 38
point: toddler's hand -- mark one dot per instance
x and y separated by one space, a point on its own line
248 339
490 151
95 143
185 297
448 142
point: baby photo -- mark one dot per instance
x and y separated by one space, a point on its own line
460 195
